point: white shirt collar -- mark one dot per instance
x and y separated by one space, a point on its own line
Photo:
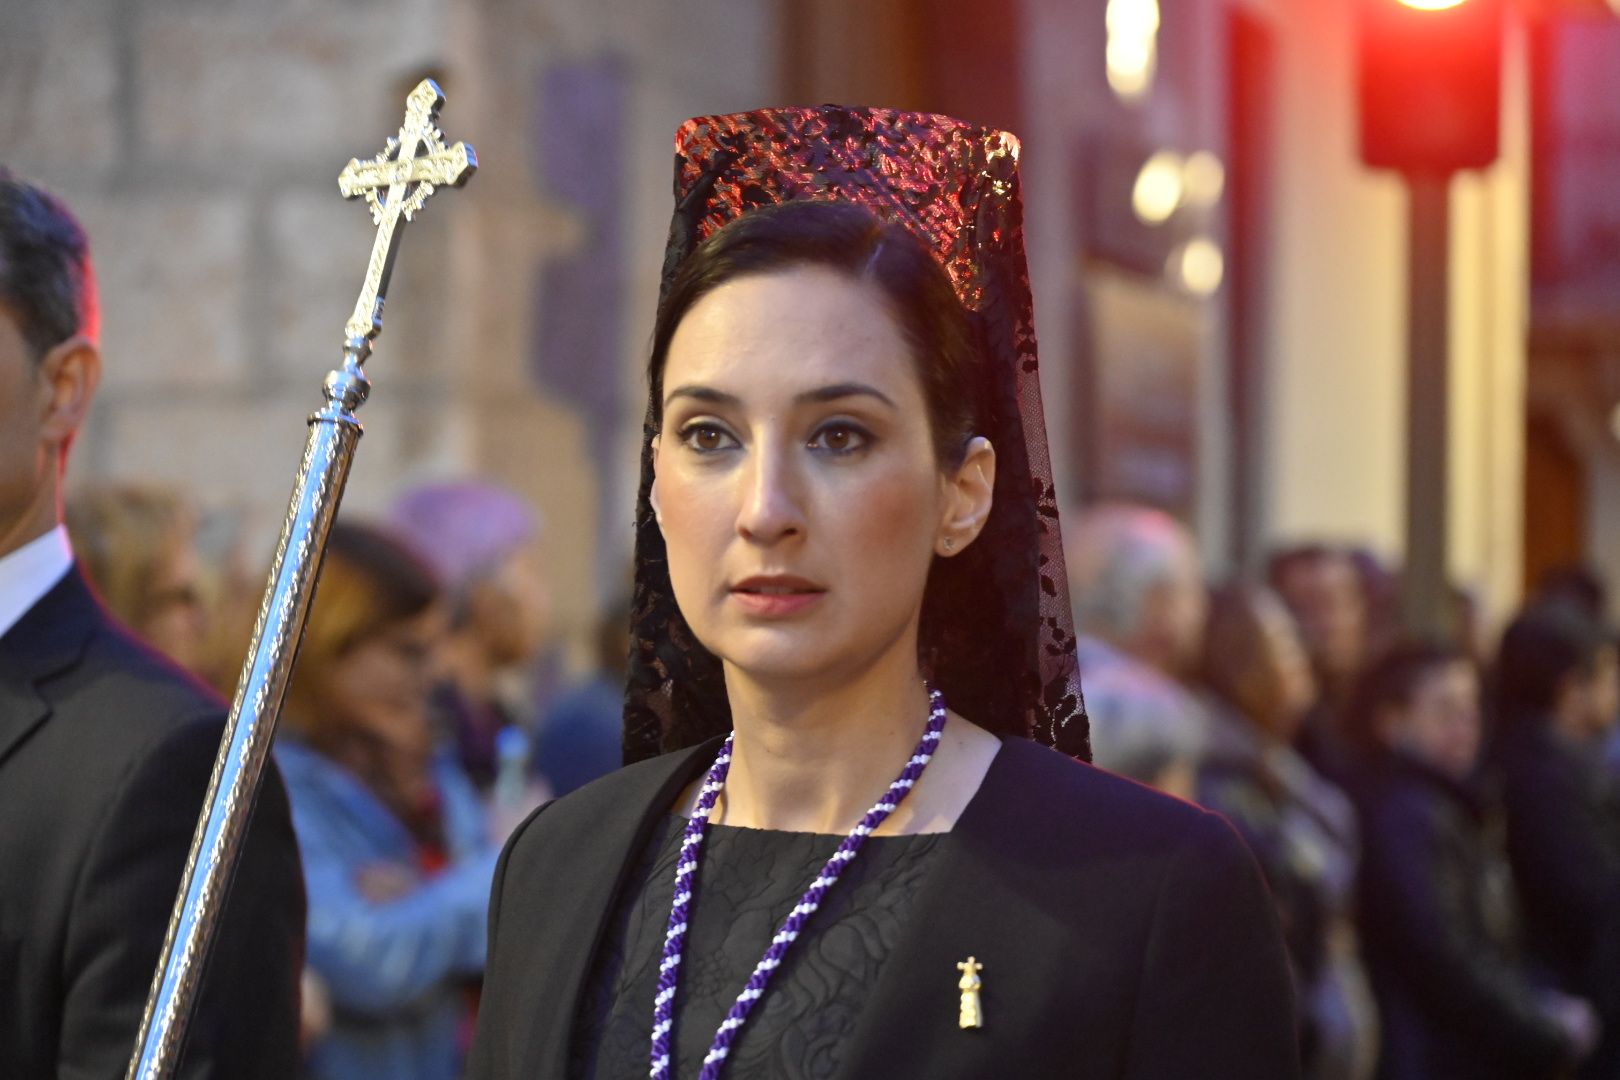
30 572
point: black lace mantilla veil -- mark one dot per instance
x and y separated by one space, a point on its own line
998 634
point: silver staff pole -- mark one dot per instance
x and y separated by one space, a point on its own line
396 183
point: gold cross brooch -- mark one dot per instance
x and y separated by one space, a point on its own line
972 1013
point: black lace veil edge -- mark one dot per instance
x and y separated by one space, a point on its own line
998 633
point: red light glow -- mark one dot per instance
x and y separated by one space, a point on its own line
1432 5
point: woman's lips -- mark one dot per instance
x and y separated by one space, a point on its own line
776 598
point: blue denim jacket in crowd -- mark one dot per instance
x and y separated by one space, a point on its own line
394 970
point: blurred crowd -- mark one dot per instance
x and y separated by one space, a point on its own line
416 734
1439 822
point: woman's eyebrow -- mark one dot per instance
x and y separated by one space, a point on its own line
706 394
710 396
844 390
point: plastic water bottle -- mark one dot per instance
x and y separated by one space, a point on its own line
511 768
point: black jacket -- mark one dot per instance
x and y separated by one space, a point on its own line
1439 931
1564 841
1563 828
105 754
1132 933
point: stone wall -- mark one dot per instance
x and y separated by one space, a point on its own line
200 144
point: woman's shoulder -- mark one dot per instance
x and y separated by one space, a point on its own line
591 816
1074 808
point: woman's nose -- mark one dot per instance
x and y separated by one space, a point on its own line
771 506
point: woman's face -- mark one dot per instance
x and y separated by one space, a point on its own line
377 695
797 487
509 610
176 620
1284 670
1441 724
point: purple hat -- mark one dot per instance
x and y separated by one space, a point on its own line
464 528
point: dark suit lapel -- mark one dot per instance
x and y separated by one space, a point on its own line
567 951
49 638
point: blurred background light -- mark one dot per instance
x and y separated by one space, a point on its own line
1203 178
1133 46
1159 188
1198 266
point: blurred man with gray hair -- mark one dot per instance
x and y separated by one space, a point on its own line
1140 603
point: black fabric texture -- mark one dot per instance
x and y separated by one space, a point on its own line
105 756
1129 937
748 882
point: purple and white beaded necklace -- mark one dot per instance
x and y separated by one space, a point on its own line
686 882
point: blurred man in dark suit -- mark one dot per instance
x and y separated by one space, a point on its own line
105 749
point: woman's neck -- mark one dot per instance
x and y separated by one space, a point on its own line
815 757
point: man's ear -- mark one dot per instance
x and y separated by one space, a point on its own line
68 376
970 491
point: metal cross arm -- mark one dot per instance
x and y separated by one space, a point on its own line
395 184
447 167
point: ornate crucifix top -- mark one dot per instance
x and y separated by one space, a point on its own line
395 184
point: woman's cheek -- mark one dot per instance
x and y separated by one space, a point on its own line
697 522
887 525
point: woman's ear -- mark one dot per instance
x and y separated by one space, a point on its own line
652 491
970 490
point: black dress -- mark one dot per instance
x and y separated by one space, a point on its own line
1123 934
748 882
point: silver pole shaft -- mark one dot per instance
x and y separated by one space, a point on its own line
244 748
411 168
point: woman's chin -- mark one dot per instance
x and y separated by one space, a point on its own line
775 665
776 653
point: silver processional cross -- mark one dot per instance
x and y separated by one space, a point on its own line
395 184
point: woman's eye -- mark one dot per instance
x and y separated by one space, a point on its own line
706 438
839 439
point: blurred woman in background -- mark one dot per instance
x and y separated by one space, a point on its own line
397 852
478 539
1300 827
1438 918
1557 690
136 545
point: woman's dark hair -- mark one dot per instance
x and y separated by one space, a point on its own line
1233 656
1577 585
369 583
848 239
967 597
1391 682
1545 645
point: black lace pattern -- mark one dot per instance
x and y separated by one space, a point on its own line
748 881
998 634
